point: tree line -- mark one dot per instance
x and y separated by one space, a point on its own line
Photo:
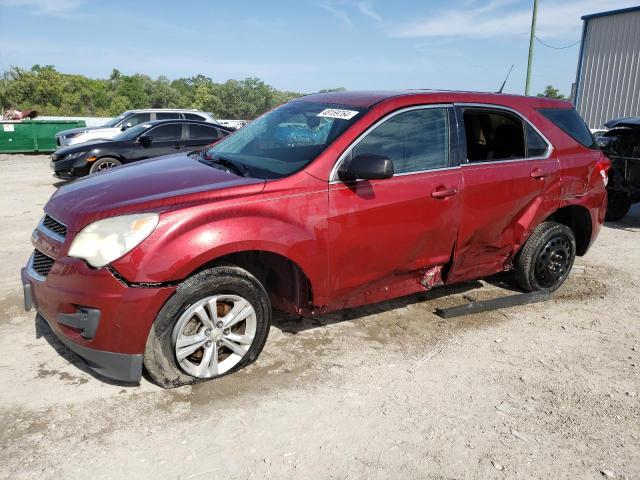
51 92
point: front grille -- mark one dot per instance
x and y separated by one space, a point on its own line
41 263
55 226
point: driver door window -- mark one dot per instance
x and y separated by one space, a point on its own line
137 119
415 141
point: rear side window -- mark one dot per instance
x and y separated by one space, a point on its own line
202 132
536 146
414 141
167 133
493 135
569 121
193 116
167 115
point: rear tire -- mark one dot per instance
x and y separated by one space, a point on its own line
617 207
201 313
546 258
105 163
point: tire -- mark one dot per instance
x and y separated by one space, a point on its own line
180 321
617 207
545 260
104 163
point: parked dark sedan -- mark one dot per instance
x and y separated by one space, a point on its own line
147 140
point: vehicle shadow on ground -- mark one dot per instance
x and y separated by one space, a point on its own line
294 324
43 330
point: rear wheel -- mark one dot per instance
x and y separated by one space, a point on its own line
104 163
546 258
618 206
217 322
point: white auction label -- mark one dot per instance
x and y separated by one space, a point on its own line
7 127
337 113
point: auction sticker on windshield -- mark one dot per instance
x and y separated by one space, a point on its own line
337 113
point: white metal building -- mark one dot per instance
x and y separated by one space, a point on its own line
608 78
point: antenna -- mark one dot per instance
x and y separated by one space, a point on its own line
505 80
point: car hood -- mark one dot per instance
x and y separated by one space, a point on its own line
631 122
156 185
81 147
81 130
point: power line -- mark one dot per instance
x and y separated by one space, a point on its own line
556 48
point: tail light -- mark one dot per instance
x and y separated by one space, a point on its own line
602 168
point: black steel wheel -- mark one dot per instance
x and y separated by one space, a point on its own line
546 258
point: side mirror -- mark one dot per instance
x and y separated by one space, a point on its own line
366 166
145 140
125 126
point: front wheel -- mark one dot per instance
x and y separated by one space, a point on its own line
546 258
105 163
216 323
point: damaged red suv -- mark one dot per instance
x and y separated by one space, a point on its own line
328 202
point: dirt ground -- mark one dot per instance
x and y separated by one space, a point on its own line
550 390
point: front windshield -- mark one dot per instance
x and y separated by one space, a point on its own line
114 121
286 139
133 132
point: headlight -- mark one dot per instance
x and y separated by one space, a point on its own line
73 156
104 241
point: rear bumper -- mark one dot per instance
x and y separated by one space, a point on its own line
101 319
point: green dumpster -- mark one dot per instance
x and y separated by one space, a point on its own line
29 136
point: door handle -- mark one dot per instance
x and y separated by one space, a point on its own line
177 146
441 192
538 173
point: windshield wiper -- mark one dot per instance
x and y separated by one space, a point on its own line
236 167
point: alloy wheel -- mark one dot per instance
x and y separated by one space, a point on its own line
214 334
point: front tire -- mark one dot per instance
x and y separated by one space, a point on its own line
546 258
105 163
216 323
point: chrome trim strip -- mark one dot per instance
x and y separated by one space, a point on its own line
333 176
50 233
443 169
32 273
492 106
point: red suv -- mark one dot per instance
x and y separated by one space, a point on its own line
328 202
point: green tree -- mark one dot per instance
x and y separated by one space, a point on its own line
50 92
550 92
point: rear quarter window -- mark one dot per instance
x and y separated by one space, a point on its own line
570 122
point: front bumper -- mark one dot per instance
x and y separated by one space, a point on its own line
95 315
68 169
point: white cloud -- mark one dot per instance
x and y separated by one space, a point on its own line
341 15
45 7
367 10
498 18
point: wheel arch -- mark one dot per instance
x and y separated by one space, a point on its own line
578 219
289 287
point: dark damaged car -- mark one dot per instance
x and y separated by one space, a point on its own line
621 143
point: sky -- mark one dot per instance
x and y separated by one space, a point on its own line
304 45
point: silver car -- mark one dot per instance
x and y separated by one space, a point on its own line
128 119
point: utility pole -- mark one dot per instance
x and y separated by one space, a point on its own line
531 42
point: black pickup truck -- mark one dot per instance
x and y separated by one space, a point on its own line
621 143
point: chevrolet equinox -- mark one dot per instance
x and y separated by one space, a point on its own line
327 202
